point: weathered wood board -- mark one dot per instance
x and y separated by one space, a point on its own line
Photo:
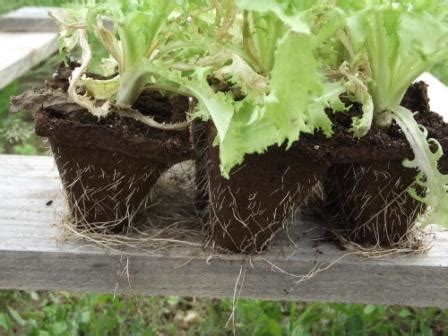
32 19
28 36
28 19
22 51
31 258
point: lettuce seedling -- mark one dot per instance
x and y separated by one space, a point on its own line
389 44
140 46
137 27
280 90
266 51
163 45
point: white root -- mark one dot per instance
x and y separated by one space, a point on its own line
149 121
75 33
151 230
77 74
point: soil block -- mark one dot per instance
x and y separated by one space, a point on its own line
366 188
202 199
261 195
109 165
368 203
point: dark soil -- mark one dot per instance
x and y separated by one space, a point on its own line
108 165
104 188
71 124
126 135
366 188
261 195
200 141
379 143
366 199
368 203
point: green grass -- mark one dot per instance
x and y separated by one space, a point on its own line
98 314
60 313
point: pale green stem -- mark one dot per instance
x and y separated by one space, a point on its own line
132 84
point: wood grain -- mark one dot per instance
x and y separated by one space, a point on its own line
33 19
22 51
32 258
28 19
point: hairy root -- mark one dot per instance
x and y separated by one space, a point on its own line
369 206
166 218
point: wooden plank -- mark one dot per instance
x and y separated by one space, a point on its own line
28 19
22 52
32 19
31 258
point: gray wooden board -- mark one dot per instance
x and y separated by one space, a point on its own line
23 51
32 258
28 36
28 19
32 19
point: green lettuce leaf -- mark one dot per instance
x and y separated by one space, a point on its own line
295 79
292 13
217 104
429 179
299 95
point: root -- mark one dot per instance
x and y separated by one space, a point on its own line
202 194
169 219
239 283
149 121
250 215
382 219
416 242
301 278
122 271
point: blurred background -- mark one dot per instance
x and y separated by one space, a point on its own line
60 313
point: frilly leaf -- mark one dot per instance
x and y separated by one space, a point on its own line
240 73
295 18
217 104
429 179
354 84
